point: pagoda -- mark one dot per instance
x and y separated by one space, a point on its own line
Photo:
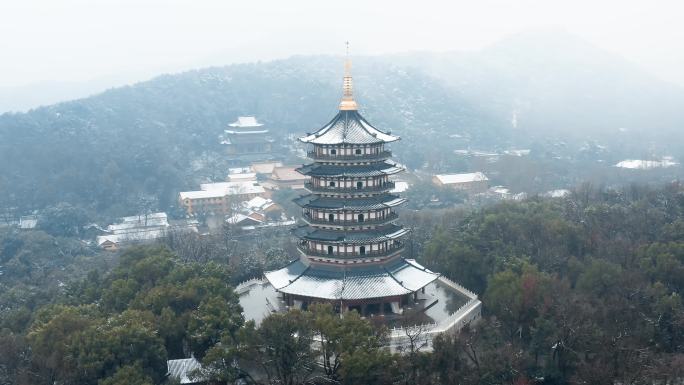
247 139
350 245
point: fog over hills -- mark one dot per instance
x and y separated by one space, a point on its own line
549 80
141 139
557 82
111 148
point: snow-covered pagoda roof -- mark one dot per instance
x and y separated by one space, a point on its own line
379 234
402 277
329 203
387 167
348 127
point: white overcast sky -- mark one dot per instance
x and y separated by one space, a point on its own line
79 40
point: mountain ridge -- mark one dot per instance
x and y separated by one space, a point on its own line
113 148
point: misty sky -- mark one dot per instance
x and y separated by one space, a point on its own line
128 40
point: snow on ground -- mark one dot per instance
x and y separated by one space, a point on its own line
640 164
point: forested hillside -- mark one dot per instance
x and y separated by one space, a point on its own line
584 289
114 150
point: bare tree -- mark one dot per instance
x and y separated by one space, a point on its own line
189 245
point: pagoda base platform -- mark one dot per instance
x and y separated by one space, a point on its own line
350 286
444 306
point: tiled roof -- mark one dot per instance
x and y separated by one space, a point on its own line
285 276
287 173
348 127
412 275
403 278
378 234
180 369
387 167
371 203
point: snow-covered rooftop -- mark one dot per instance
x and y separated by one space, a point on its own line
142 220
559 193
248 176
517 152
501 190
461 178
246 121
640 164
258 203
181 369
238 170
138 218
201 194
28 222
139 234
237 218
221 189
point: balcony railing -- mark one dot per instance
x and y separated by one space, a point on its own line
348 255
348 190
345 158
350 222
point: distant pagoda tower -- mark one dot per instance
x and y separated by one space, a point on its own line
246 139
351 247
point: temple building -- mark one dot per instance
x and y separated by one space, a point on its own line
351 248
247 140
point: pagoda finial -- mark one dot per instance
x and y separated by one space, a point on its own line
347 102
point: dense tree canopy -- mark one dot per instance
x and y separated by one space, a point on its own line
584 289
151 308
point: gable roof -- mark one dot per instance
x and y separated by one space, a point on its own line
180 369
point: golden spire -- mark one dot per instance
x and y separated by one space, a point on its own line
347 103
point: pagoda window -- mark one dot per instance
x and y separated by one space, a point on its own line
361 217
331 217
331 184
358 151
330 250
359 185
362 250
333 152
